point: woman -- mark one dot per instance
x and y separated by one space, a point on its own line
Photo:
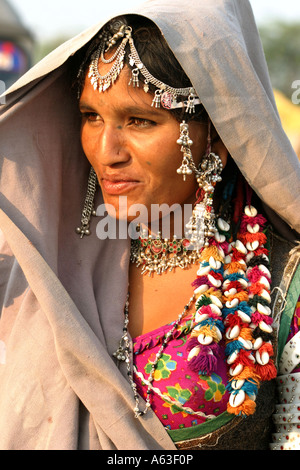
204 339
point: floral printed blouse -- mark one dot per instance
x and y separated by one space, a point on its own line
181 398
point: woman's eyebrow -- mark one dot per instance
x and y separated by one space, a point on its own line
131 110
137 110
85 106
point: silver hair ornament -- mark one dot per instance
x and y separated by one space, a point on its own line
165 95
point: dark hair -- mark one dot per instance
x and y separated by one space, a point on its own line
154 53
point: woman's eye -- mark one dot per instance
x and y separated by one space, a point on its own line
89 116
140 122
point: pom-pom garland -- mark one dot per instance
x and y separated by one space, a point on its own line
232 292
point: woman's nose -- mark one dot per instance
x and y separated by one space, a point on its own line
112 146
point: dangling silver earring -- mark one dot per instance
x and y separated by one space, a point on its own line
201 226
88 207
185 141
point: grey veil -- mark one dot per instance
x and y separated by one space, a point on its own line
63 297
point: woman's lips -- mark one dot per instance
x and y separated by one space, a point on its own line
115 187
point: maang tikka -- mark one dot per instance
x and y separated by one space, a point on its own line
201 226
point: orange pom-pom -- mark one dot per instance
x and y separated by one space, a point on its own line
211 251
248 373
247 408
234 267
247 334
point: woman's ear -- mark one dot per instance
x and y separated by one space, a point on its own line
218 147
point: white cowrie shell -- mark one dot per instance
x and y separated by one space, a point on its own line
252 358
226 283
220 238
236 371
236 399
264 310
243 282
264 327
214 264
221 252
203 271
254 229
264 281
233 333
230 292
244 317
241 261
252 246
216 301
224 226
265 258
249 256
227 259
250 211
233 357
199 317
233 303
258 343
240 247
201 289
237 384
218 333
264 270
194 352
265 295
247 344
263 358
213 281
215 309
204 339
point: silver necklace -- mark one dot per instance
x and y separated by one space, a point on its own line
124 354
157 255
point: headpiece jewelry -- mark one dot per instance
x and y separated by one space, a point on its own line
164 95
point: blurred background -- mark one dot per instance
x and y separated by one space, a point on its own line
30 29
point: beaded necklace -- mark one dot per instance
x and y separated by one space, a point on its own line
124 352
232 299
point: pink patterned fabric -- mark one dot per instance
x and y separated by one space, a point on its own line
205 395
176 382
295 327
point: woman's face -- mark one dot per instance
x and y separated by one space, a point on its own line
133 148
